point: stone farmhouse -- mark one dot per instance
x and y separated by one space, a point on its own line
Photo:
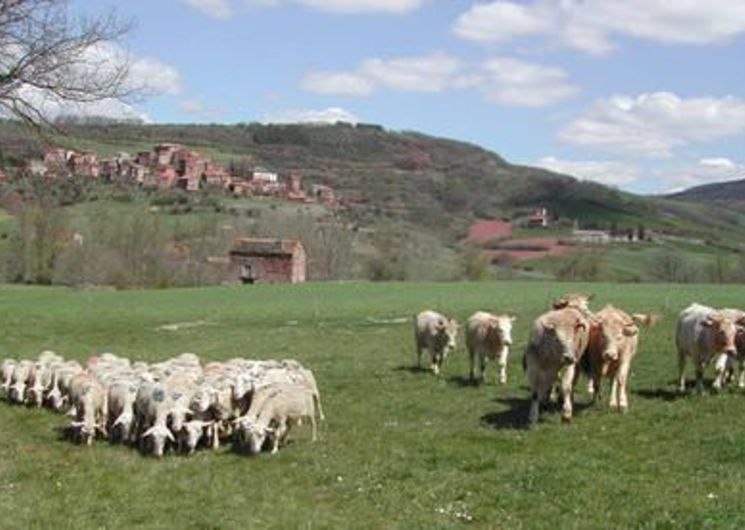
259 260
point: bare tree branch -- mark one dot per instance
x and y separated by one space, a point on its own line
45 56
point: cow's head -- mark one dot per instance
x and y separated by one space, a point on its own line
158 434
447 331
566 338
612 333
724 330
501 328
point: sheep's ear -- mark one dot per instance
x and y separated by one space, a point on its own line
148 432
170 435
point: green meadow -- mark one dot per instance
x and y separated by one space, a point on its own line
400 447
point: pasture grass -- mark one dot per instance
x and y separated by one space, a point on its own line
400 448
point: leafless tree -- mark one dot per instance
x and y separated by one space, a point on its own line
46 55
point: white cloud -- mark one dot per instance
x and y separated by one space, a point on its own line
396 7
514 82
329 115
590 25
217 9
610 173
431 73
224 9
155 76
337 83
653 125
504 80
705 171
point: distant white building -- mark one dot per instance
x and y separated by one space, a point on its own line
591 237
264 175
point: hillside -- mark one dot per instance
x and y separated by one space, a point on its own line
408 183
732 192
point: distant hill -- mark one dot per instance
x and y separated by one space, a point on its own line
419 183
732 191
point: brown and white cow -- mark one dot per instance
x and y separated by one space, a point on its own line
727 367
489 336
558 341
437 333
703 334
613 341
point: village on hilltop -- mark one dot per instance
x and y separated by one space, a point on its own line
171 165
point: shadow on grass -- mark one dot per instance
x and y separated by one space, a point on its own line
516 415
463 381
662 394
411 369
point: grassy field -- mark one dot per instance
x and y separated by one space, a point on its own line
400 448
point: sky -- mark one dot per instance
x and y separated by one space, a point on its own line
644 95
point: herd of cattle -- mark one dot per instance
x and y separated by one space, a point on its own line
181 404
571 338
178 403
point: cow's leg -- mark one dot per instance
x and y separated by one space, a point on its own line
681 371
741 374
623 381
720 369
471 360
567 384
436 360
503 355
482 366
700 378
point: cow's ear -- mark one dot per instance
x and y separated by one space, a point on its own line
708 322
549 326
560 303
631 330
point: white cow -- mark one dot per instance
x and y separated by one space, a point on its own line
489 336
703 334
437 333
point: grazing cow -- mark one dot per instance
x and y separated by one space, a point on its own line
613 341
703 334
557 342
437 333
489 336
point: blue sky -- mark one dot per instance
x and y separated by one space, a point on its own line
646 95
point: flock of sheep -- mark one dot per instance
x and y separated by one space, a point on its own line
570 338
177 404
